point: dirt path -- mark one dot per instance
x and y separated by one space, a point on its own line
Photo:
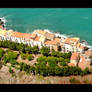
27 61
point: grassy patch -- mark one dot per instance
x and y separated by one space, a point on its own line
74 81
39 77
86 81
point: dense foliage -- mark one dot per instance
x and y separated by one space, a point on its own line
20 47
10 56
1 53
59 54
45 51
50 64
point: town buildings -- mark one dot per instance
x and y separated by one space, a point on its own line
80 56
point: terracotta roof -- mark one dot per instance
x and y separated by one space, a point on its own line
81 47
75 56
71 40
88 53
71 64
33 35
53 42
57 39
37 38
21 35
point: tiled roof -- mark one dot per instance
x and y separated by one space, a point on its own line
81 47
75 56
71 40
53 42
21 35
57 39
33 35
37 38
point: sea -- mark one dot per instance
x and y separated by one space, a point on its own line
73 22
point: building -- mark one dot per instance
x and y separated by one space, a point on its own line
53 44
75 58
83 63
40 32
49 36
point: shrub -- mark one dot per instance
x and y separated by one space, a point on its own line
60 59
29 57
41 59
28 49
86 81
1 53
23 55
67 60
10 70
86 71
63 63
35 50
14 62
74 81
58 71
12 55
45 51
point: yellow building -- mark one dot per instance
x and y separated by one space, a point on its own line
5 32
42 39
2 32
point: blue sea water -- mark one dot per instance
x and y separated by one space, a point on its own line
69 21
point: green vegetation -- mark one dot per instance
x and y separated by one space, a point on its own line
26 56
26 68
86 81
45 51
50 64
74 81
30 57
85 71
23 55
19 47
10 70
10 57
59 54
1 53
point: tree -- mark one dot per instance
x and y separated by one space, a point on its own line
63 63
35 50
60 59
30 57
10 70
41 59
58 71
86 71
13 62
12 55
1 53
54 53
67 60
28 49
23 55
45 51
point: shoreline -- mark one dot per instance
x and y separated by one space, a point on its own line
57 34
